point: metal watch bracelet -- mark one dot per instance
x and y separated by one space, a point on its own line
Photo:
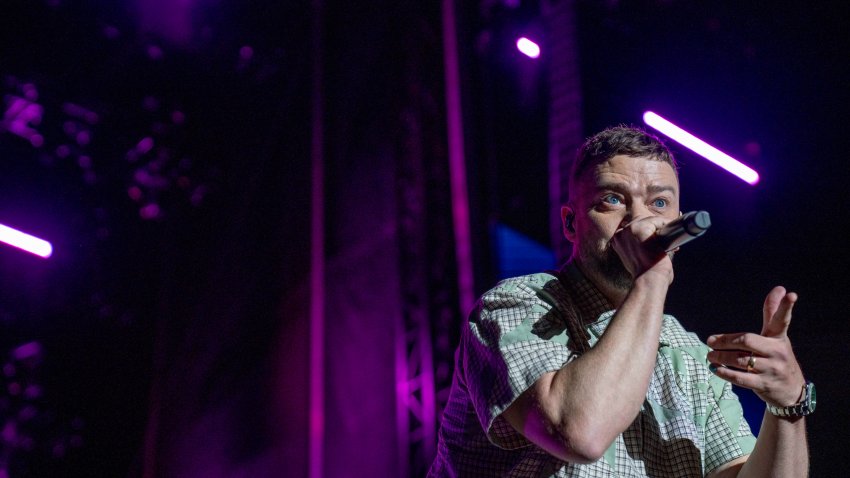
806 406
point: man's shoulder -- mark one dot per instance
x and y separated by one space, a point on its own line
524 286
537 279
539 291
674 334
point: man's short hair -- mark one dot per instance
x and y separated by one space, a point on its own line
619 140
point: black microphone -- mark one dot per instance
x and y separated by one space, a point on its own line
684 229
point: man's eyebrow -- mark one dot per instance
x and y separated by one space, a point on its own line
624 188
659 188
618 187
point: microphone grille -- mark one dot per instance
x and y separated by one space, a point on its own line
699 222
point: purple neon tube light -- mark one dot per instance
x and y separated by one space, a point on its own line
26 242
702 148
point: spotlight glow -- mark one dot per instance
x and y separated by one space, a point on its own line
528 47
701 148
26 242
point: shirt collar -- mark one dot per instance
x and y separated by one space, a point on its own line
590 302
594 309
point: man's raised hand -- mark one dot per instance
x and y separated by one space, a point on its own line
765 362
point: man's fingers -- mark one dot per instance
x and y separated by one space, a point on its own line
763 362
779 322
744 341
771 303
645 227
736 359
743 379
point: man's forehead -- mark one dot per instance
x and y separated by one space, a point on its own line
622 163
632 172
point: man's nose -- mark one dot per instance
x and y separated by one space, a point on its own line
635 212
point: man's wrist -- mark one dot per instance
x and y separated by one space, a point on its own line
804 406
655 278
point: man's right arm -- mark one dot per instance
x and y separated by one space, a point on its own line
575 413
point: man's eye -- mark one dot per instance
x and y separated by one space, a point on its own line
614 200
659 203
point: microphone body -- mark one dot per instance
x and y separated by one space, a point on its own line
682 230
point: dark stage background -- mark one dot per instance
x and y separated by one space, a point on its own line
216 175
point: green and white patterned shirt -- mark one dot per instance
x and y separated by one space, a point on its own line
690 422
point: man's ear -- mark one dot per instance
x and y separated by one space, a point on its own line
568 219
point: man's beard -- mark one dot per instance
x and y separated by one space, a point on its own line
606 265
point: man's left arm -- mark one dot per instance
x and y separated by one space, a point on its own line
766 364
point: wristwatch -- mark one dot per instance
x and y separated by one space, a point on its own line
806 406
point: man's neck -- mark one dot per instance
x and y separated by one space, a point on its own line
615 295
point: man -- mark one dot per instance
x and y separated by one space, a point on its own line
579 373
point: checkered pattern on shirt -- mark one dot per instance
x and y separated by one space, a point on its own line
690 423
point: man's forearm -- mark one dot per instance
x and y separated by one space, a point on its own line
599 394
781 449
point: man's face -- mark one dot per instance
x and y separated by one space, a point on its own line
609 196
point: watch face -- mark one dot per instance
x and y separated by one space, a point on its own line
813 398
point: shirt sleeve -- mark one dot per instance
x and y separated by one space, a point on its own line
727 433
516 335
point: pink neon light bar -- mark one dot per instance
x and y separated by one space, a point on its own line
528 47
702 148
24 241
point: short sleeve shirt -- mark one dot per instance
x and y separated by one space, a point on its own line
689 424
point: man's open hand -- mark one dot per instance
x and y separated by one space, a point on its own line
765 362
